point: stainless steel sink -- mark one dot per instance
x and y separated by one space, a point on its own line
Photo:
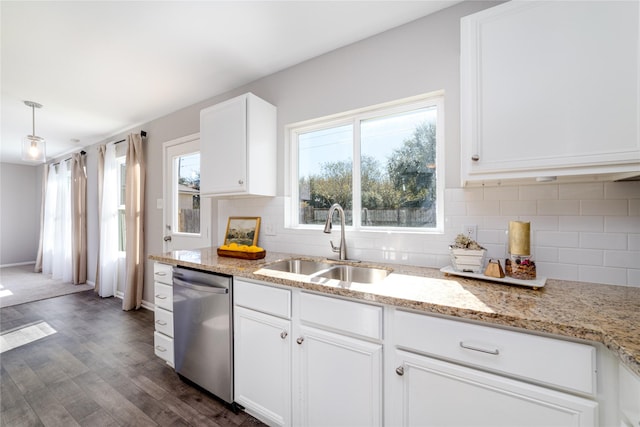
350 273
298 266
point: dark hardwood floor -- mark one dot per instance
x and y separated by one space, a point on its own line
98 369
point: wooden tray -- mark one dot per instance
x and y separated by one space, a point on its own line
242 255
536 283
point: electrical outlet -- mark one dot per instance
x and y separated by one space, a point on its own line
269 229
471 231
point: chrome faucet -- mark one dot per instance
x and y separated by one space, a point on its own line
342 249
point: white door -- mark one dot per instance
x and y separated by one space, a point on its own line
186 216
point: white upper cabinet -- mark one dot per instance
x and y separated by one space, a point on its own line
550 89
238 148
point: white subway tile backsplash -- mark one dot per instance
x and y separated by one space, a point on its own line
586 231
501 193
558 207
581 223
483 207
545 254
564 239
557 271
626 259
606 275
609 207
633 277
581 256
581 191
539 192
518 207
603 241
622 190
629 224
541 222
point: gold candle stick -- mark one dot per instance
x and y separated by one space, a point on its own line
519 238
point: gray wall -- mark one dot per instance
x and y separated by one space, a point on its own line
20 194
416 58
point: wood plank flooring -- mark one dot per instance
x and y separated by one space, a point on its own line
97 369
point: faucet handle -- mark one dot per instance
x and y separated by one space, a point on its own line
334 248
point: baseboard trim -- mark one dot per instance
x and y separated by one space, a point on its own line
145 304
16 264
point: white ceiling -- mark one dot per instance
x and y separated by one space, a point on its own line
102 67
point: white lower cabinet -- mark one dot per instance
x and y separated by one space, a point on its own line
263 365
431 392
629 395
163 317
338 380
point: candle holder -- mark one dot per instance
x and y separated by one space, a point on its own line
520 267
518 263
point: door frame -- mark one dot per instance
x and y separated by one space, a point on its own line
167 187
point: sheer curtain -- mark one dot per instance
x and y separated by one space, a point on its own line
62 268
134 217
107 274
49 226
45 173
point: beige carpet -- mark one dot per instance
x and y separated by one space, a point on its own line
20 284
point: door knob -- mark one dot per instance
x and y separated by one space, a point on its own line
167 238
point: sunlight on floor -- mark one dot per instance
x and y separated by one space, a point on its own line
25 335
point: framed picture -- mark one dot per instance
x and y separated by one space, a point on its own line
242 230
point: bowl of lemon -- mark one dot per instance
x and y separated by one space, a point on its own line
235 250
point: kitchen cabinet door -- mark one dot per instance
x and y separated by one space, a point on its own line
263 365
431 392
238 148
629 394
338 380
550 89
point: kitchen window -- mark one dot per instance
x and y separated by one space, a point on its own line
382 164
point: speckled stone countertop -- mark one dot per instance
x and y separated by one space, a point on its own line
602 313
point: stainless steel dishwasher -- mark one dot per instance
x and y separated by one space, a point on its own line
203 330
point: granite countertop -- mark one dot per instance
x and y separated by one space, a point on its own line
601 313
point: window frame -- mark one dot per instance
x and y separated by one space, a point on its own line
355 117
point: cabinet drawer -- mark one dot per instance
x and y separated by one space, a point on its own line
340 315
163 296
164 321
162 273
546 360
163 347
266 299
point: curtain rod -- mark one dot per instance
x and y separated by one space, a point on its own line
82 153
142 134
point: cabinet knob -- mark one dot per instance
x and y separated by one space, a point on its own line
300 340
400 370
283 334
475 157
240 182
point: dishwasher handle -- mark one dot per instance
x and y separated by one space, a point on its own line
203 288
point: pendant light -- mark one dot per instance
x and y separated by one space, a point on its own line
33 149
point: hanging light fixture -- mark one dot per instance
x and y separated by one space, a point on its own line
33 149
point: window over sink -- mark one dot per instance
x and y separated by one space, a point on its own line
383 164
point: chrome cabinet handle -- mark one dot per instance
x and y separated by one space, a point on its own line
283 334
160 296
400 370
475 157
159 348
161 273
481 350
161 322
300 340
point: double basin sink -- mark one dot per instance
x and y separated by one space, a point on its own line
321 271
